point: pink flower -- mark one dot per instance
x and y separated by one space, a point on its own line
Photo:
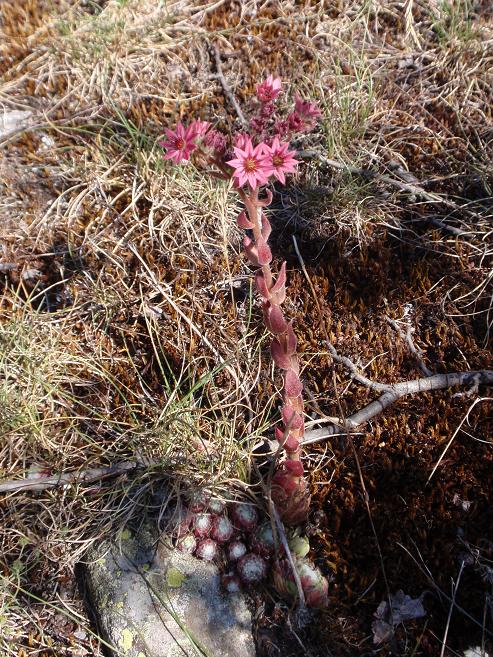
180 143
199 127
269 90
308 111
280 160
250 164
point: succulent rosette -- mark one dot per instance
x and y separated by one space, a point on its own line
252 568
222 529
262 541
198 501
244 516
236 549
231 583
202 525
187 544
216 507
207 550
314 585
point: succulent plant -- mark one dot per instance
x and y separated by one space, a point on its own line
314 585
245 516
236 549
197 501
299 545
231 583
202 525
187 544
216 507
252 568
207 550
262 541
222 529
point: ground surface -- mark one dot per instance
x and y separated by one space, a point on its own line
129 330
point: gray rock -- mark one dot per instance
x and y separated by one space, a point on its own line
12 120
163 603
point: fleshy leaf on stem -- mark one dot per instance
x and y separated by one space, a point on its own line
266 227
274 319
291 496
292 384
262 285
279 356
291 418
243 222
287 440
251 251
264 254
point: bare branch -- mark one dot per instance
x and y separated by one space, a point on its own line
395 392
227 89
68 478
418 353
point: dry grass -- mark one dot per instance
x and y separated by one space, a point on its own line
129 329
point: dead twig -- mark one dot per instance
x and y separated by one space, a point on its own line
227 89
416 351
394 392
68 478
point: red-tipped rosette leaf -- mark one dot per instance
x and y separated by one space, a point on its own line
280 358
277 323
264 254
243 221
292 384
266 227
251 251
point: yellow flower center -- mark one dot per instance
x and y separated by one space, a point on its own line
277 160
250 165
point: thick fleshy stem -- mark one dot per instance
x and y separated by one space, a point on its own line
289 487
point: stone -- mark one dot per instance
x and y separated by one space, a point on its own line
12 120
151 600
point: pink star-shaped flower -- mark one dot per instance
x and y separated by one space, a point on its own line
250 164
280 160
180 143
269 90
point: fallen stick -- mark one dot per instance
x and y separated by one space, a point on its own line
394 392
68 478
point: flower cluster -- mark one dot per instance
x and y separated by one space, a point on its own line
253 159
